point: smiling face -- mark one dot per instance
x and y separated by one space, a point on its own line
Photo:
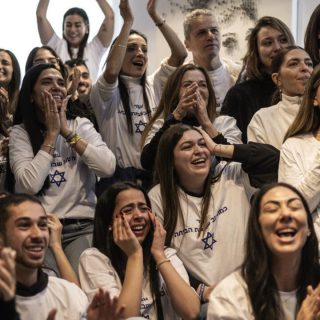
191 160
52 81
132 204
6 69
85 83
283 221
269 42
27 233
74 29
204 39
136 57
294 73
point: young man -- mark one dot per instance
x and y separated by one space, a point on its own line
203 40
24 228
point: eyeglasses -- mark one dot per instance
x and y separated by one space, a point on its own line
49 60
143 208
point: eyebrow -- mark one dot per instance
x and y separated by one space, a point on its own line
278 202
28 219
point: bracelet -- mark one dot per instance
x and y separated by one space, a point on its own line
160 24
201 291
119 45
162 262
74 140
49 146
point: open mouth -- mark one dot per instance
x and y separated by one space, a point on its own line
35 251
286 233
138 229
199 161
138 63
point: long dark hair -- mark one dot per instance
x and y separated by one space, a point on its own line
13 91
33 53
170 97
276 64
80 12
257 266
252 64
26 112
124 94
103 238
311 40
165 174
308 117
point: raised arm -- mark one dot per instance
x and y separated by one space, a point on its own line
179 290
105 32
118 50
131 291
178 50
63 263
44 27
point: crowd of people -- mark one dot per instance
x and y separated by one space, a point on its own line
191 192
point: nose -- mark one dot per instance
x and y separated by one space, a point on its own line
276 46
140 52
286 214
35 231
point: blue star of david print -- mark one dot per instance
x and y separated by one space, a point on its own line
140 126
60 178
208 241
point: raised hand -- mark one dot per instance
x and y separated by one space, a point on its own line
159 237
103 307
310 308
125 10
4 100
7 274
64 129
74 83
187 102
124 237
200 110
151 8
51 113
55 228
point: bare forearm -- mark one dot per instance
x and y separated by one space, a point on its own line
117 53
131 292
178 50
107 27
64 265
184 299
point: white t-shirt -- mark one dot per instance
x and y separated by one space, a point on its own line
72 177
92 54
110 114
229 300
223 79
220 249
69 300
269 125
300 166
96 271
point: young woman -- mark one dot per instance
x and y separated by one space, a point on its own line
76 33
189 98
281 261
129 259
9 90
299 157
124 98
44 54
312 36
57 156
205 218
291 69
255 92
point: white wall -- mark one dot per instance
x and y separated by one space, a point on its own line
19 29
